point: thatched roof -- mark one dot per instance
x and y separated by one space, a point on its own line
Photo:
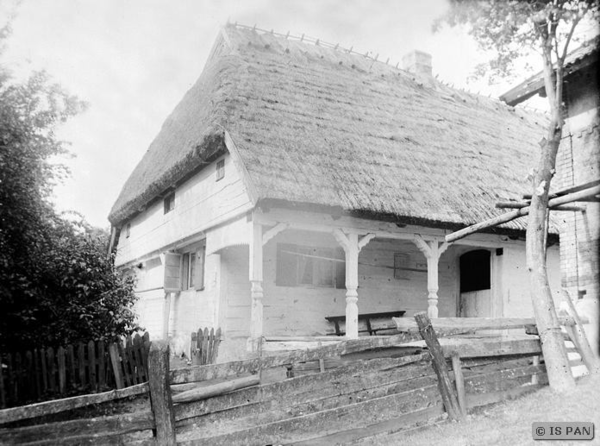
322 126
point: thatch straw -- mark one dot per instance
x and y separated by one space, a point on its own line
319 125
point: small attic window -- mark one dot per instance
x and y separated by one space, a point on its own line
169 202
220 169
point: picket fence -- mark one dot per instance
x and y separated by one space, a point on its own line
48 373
205 346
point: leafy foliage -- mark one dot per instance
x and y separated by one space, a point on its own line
57 284
511 30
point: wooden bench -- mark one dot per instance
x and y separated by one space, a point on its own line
367 317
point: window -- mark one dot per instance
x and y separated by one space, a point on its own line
401 266
169 202
128 230
475 271
220 169
192 268
310 266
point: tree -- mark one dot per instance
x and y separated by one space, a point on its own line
56 283
511 29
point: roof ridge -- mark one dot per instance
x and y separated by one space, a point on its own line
318 42
368 55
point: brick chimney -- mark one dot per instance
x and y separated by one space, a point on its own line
419 64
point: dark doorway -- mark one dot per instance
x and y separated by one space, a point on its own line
475 284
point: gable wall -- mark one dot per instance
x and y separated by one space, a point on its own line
200 203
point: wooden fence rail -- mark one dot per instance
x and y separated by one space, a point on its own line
43 374
378 385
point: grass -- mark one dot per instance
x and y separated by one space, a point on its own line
509 423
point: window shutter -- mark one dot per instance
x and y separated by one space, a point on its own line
172 272
287 265
199 271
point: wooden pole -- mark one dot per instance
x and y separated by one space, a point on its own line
460 383
204 392
509 216
568 190
160 393
524 204
439 366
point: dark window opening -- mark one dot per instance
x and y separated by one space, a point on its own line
169 202
220 169
475 271
310 266
128 230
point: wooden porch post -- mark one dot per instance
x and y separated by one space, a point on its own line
256 290
432 250
166 316
352 246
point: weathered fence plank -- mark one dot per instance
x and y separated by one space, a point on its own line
92 365
204 392
460 383
317 384
160 393
72 367
62 370
90 428
439 365
81 364
344 347
115 360
494 347
101 366
473 323
57 406
2 388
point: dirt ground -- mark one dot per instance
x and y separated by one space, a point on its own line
510 423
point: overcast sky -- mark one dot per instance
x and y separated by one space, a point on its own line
133 60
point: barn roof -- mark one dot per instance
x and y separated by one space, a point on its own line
323 126
579 58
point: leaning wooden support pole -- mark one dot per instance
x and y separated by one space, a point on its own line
524 204
460 382
439 366
160 393
509 216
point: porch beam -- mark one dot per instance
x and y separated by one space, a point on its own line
256 290
323 223
432 250
352 244
268 235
